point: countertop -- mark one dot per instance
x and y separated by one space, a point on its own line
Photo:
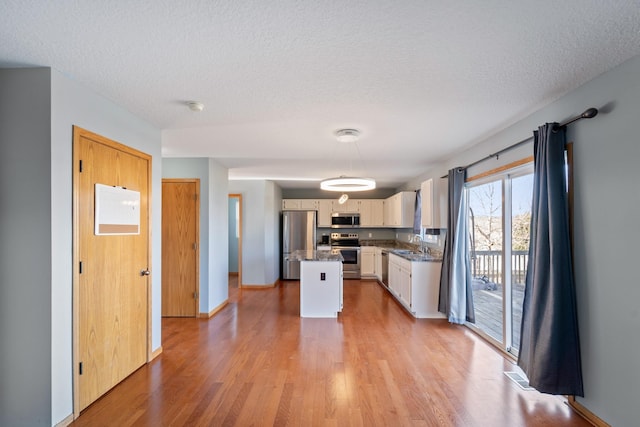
414 256
408 252
311 255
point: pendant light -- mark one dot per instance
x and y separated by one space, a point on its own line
348 183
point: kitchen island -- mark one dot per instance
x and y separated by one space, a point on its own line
320 283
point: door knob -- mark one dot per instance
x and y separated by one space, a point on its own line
145 272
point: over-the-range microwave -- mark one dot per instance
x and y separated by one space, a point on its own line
345 220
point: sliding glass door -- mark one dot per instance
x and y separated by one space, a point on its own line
499 218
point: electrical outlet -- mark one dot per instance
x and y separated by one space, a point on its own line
370 235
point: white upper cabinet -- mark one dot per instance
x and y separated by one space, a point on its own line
325 207
299 204
400 209
350 206
371 210
371 213
308 205
426 205
290 204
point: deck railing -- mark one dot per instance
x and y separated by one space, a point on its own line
489 265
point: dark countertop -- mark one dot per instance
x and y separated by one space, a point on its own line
415 257
408 252
311 255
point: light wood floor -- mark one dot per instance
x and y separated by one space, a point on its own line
258 363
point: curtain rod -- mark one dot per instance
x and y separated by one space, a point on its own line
588 114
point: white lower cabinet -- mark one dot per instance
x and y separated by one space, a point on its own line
367 261
377 263
416 285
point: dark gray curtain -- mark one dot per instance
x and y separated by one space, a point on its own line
550 348
456 297
417 214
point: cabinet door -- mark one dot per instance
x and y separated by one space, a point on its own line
394 275
406 208
365 213
324 212
377 213
290 204
377 264
391 211
405 286
371 213
309 204
350 206
367 263
426 206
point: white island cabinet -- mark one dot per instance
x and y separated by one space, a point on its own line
320 288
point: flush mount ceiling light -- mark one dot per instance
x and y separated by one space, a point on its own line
195 106
348 183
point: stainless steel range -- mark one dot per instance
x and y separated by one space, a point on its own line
348 245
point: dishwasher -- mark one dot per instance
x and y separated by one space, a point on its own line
385 268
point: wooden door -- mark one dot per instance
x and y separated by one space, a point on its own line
180 243
111 272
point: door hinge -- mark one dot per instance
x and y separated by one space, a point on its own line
195 246
195 295
80 268
80 165
80 368
195 197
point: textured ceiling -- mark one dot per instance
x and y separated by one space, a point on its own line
420 79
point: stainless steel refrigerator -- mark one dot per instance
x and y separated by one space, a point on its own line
298 232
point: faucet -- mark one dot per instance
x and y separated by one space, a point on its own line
418 238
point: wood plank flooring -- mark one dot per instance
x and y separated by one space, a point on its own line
257 363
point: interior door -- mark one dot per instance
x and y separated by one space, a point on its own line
180 219
111 271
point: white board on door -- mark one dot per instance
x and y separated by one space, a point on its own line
117 211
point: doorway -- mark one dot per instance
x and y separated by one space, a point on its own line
111 264
499 217
235 240
180 247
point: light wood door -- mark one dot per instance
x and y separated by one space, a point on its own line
180 219
111 272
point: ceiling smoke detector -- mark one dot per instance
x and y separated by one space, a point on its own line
347 135
195 106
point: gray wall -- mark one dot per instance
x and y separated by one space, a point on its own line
196 168
607 202
38 109
25 244
213 228
218 234
260 231
73 104
233 240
